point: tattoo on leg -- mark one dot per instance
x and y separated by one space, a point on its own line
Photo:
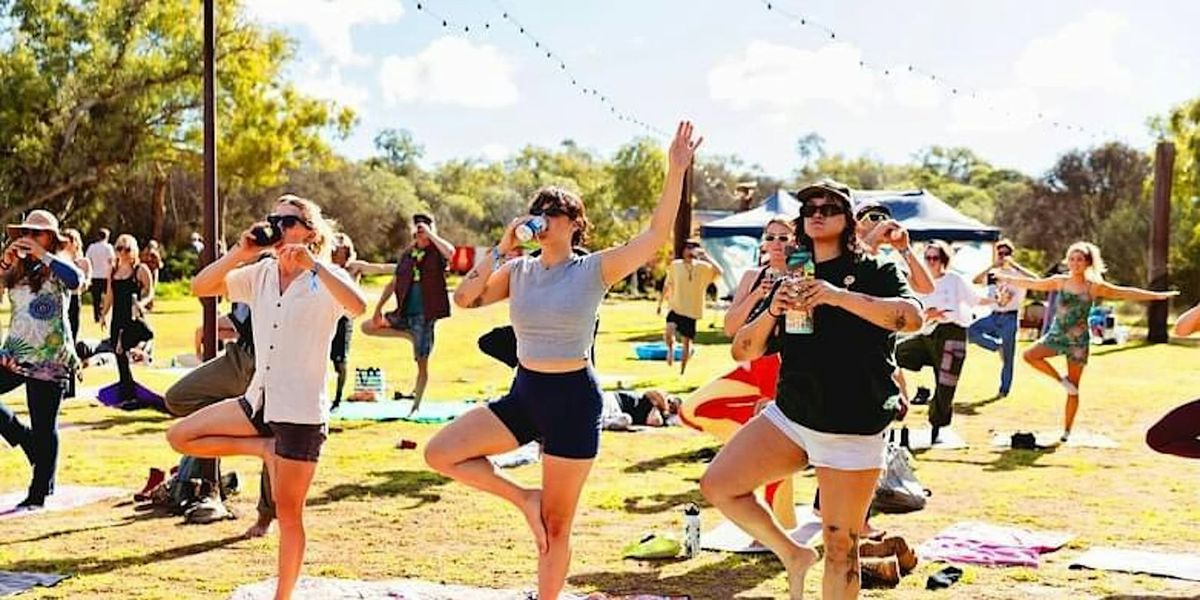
852 573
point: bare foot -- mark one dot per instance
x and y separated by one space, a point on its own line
797 567
260 528
531 507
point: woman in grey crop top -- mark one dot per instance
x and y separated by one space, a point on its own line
555 397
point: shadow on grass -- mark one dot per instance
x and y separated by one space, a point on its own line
679 458
972 408
410 484
1011 460
657 503
723 579
1149 597
1106 350
98 565
705 337
117 420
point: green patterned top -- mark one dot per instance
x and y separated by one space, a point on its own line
1069 333
39 338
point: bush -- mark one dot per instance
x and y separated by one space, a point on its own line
181 264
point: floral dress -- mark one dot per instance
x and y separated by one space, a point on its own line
39 335
1069 333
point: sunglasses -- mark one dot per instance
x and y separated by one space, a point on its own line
933 258
873 216
784 237
809 211
549 211
287 221
123 249
1003 253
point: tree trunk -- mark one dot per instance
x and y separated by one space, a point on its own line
159 203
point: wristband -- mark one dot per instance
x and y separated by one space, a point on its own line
316 267
773 315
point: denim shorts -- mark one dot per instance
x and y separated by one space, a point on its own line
560 409
293 441
421 330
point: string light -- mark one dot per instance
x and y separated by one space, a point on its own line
954 88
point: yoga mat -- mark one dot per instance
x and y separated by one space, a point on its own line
319 588
143 397
1161 564
65 497
728 537
12 583
948 439
991 545
1049 439
397 410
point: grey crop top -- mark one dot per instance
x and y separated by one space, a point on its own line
553 311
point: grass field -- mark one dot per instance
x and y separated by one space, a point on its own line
377 513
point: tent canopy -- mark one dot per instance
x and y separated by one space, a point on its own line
924 214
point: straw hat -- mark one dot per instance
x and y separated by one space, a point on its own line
38 220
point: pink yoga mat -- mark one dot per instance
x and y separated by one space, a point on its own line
992 545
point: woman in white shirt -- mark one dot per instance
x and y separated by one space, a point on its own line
942 344
296 300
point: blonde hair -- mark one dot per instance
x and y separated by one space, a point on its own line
791 226
1096 269
132 243
76 238
322 228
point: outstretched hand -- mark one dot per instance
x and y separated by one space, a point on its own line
683 148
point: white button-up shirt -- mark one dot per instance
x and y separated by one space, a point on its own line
292 333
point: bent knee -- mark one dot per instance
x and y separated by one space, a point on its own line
841 544
178 437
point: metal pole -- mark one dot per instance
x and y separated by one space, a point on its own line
211 227
1160 233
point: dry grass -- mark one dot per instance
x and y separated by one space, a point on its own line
378 513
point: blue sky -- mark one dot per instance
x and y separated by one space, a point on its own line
751 78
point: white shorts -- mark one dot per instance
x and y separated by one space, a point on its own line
841 451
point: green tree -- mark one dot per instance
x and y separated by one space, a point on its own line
95 94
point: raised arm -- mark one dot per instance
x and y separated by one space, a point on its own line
210 281
750 341
344 291
617 263
1038 284
370 268
487 282
1119 292
1188 322
744 299
443 246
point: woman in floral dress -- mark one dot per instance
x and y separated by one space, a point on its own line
1069 334
38 351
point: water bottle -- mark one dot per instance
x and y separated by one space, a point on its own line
527 230
691 530
801 268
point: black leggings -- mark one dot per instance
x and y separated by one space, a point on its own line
41 435
1177 432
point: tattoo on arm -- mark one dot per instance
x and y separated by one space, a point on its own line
899 321
474 274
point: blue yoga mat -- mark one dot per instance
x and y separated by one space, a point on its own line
431 411
657 351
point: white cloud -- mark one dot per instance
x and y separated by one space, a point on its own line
494 152
994 111
911 90
330 86
451 70
1081 56
329 22
783 79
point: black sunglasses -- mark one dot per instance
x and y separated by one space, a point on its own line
933 258
1004 252
873 216
549 211
783 237
809 211
287 221
123 249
